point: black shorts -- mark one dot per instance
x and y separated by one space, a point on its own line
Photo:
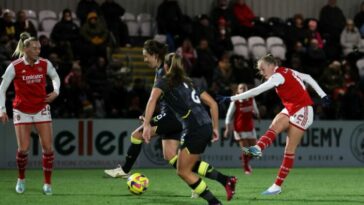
196 140
168 126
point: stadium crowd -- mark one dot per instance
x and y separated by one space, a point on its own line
328 48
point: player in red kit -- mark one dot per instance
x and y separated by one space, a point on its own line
295 118
244 132
30 106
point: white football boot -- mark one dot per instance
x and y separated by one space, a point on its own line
20 186
273 190
47 189
117 172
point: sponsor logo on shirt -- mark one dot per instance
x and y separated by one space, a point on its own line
30 79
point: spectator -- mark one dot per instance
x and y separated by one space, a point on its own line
8 27
203 30
223 75
222 12
169 17
332 20
112 13
244 16
350 38
332 79
84 7
117 99
47 49
223 38
359 19
315 59
312 33
205 63
96 76
66 34
95 33
296 32
188 54
22 24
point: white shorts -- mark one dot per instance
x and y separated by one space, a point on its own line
245 135
302 119
21 118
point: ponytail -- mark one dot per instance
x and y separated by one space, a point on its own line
176 73
24 41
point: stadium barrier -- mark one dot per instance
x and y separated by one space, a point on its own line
104 143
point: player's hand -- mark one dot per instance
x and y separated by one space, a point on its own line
326 101
147 130
227 131
4 117
223 99
141 118
215 135
50 97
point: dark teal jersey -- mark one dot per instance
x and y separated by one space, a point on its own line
185 101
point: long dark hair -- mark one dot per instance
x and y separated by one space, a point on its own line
154 47
176 73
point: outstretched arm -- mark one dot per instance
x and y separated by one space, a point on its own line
275 80
149 110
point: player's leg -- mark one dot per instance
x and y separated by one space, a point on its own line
45 134
186 161
245 157
22 132
132 154
299 122
279 124
292 140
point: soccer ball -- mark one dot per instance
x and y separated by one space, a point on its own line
137 183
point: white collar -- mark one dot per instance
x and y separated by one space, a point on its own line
27 63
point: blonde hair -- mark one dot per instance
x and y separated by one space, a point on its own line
24 41
268 59
176 73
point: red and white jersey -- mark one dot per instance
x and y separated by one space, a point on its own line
289 87
292 92
242 112
29 83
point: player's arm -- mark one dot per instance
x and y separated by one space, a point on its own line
214 111
228 118
52 73
312 82
149 110
6 80
255 109
275 80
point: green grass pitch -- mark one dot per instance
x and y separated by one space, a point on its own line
313 186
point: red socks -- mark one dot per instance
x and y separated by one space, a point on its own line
246 159
47 161
21 162
267 139
286 166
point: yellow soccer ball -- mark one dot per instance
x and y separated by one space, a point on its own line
137 183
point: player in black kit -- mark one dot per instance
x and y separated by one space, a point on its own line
177 91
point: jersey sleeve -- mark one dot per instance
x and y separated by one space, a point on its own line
230 113
161 83
275 80
309 80
52 73
8 76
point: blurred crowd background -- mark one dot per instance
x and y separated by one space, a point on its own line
219 49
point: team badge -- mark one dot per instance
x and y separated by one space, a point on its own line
40 69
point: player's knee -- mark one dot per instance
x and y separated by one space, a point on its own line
137 134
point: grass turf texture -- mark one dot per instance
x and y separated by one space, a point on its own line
321 186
